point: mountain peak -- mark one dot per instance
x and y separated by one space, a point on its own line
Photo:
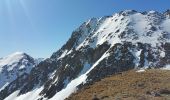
15 65
128 12
18 53
167 13
12 58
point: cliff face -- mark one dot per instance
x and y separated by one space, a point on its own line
101 47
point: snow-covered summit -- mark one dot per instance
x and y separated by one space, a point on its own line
15 65
13 58
150 27
129 26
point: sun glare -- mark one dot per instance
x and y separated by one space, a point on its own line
10 6
8 9
26 12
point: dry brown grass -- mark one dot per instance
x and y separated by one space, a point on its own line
129 85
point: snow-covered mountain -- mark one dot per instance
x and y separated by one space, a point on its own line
98 48
14 66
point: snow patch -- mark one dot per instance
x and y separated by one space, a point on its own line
13 95
140 70
32 95
167 67
162 54
65 52
137 55
166 25
7 83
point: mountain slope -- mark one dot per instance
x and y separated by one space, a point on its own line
98 48
14 66
129 85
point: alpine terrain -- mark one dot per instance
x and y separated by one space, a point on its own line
16 65
100 47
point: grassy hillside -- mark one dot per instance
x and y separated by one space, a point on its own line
130 85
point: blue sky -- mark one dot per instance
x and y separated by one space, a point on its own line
40 27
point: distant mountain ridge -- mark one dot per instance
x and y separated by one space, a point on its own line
98 48
14 66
